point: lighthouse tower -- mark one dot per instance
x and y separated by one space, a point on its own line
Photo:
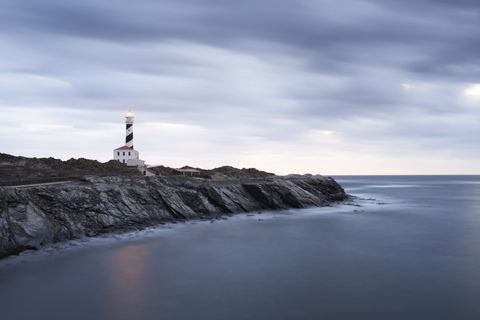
127 154
129 132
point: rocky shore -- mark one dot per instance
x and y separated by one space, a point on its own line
33 216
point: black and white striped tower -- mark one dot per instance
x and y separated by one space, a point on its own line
129 133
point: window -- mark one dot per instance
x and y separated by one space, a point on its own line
128 152
124 153
118 153
123 160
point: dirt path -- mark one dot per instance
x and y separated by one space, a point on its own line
37 184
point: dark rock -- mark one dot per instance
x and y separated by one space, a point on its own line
45 196
14 251
38 215
22 170
352 204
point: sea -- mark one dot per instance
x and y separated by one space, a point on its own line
404 247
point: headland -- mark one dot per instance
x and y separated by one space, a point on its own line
98 198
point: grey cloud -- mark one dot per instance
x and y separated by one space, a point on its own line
328 35
268 69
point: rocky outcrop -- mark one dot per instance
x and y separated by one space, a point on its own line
37 215
220 173
13 169
14 251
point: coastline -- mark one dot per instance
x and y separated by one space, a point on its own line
38 215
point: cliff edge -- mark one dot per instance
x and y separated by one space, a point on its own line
34 216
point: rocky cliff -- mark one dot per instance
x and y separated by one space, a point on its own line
37 215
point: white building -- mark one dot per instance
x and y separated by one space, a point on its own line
129 156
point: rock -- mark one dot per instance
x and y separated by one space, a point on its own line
355 205
20 170
14 251
37 215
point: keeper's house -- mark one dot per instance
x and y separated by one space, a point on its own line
128 155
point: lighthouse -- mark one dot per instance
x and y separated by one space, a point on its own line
129 130
127 154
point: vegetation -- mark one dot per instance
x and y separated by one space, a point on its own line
14 168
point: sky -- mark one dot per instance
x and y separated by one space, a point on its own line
323 87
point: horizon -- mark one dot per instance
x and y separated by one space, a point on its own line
364 87
292 173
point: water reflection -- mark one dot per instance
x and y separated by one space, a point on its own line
127 284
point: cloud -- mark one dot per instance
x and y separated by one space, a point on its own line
284 84
323 132
474 90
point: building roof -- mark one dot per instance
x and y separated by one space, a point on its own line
186 170
124 148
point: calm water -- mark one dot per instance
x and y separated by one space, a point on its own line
411 251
